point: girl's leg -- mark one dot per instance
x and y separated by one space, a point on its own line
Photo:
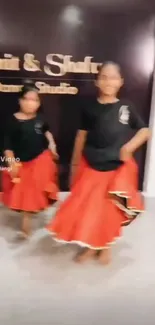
26 224
104 256
85 255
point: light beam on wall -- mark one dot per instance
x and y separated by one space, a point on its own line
146 56
72 15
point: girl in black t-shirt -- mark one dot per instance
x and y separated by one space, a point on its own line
29 151
103 173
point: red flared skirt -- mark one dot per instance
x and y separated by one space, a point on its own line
99 204
36 186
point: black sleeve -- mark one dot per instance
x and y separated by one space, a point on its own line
9 133
45 127
84 121
135 121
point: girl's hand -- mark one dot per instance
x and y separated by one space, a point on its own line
125 153
55 154
53 149
14 169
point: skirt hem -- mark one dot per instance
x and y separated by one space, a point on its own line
31 211
82 244
131 212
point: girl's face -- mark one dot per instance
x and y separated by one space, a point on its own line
30 102
109 80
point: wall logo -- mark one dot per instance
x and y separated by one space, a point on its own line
57 65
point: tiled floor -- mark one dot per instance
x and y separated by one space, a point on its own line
40 285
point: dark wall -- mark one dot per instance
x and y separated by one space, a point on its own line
104 32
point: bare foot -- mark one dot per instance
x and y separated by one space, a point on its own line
105 256
85 255
97 254
21 236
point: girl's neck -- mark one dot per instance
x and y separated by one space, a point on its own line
24 116
103 99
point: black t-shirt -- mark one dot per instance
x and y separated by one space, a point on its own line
109 128
26 138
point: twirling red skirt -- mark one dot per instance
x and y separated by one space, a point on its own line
35 187
100 203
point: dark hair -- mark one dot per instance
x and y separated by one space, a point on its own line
103 65
28 85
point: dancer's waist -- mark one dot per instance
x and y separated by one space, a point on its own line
103 159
